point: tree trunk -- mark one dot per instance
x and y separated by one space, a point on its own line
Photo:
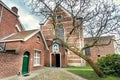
90 62
95 68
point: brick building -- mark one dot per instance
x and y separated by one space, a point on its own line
64 21
24 51
98 51
62 56
20 51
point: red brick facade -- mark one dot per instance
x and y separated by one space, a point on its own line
50 54
8 21
75 39
11 63
20 42
99 51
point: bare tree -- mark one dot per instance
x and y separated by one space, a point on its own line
99 17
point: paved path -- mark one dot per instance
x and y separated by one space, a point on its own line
48 74
80 69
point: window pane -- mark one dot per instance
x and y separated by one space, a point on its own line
87 51
60 32
37 58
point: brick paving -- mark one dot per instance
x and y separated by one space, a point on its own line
48 74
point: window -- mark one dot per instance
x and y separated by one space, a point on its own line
37 58
60 32
1 48
55 47
98 55
87 51
38 39
59 17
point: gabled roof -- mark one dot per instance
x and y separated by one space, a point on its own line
66 11
5 6
20 36
23 36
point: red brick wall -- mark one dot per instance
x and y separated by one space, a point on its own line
62 52
12 64
8 22
76 37
101 50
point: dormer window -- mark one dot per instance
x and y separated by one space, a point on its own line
59 17
18 29
38 39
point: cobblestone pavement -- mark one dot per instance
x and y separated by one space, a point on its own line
48 74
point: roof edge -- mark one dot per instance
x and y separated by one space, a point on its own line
12 40
4 5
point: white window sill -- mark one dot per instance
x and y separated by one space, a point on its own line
38 42
37 65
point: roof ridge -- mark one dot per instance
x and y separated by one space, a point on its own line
8 36
32 34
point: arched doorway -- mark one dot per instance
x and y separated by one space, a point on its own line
55 60
55 56
25 64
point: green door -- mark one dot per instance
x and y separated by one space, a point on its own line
25 63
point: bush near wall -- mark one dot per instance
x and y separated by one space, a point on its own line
110 64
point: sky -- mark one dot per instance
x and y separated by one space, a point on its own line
29 20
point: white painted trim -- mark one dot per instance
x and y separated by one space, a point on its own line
74 59
11 40
8 36
51 59
18 28
37 50
28 37
46 20
44 40
25 39
35 65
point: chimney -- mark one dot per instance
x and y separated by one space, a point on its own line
14 9
41 25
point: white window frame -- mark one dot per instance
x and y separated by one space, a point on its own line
37 60
38 39
55 49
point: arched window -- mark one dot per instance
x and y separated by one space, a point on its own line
60 32
55 48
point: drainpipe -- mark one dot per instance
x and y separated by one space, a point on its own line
1 14
4 47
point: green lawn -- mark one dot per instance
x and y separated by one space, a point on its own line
75 67
89 74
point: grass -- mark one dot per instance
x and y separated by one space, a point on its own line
89 74
76 67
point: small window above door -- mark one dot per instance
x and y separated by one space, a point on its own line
55 48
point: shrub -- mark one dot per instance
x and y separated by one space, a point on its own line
110 64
